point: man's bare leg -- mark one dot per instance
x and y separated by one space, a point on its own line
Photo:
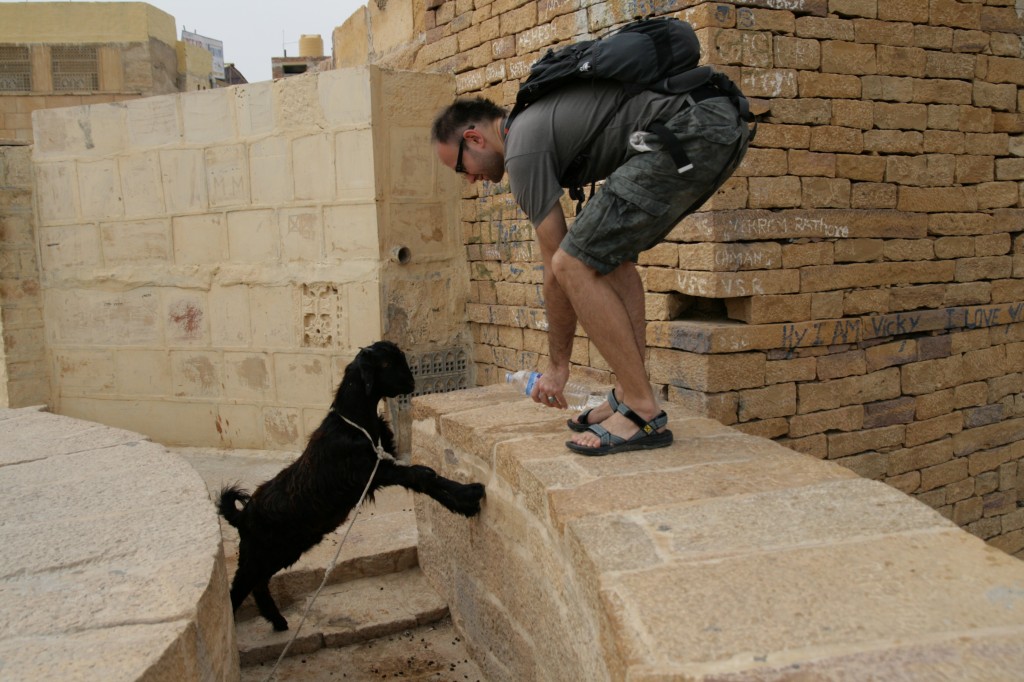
630 289
609 324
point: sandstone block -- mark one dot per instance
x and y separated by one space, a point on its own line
811 164
711 373
842 419
829 395
889 412
985 445
920 457
796 53
832 277
723 285
828 85
797 369
765 403
729 257
864 440
848 58
837 139
901 61
768 309
933 429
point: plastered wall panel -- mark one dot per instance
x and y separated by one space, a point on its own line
314 167
227 176
411 162
199 239
69 246
84 317
230 322
137 242
356 171
350 231
142 372
254 108
153 122
275 317
253 236
184 180
99 189
209 116
141 185
186 317
346 97
196 374
302 379
302 234
57 192
248 376
269 172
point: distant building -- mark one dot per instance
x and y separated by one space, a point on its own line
311 58
232 76
58 54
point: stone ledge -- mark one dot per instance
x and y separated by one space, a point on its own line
110 558
725 556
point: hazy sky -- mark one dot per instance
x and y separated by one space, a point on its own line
254 31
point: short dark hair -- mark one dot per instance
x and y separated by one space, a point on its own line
460 114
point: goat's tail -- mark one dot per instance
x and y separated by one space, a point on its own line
229 496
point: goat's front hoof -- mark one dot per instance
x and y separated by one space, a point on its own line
280 625
469 499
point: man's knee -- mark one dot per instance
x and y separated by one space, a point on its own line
563 263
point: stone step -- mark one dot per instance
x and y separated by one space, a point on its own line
429 653
344 614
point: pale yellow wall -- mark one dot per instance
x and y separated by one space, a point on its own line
85 22
212 260
195 67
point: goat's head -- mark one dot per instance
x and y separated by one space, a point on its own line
384 370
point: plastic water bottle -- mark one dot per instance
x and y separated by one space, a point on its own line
576 394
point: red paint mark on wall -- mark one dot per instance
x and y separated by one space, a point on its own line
189 319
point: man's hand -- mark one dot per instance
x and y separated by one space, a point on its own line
547 390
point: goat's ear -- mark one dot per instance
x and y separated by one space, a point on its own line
366 369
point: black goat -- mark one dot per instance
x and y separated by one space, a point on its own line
313 495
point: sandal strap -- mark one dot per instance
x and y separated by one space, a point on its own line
659 421
606 436
612 401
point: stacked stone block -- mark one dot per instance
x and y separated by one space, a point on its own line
212 261
24 379
855 290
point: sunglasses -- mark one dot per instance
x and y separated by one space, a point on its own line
459 168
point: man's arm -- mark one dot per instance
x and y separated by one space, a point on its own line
560 314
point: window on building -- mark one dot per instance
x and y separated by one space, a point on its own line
15 69
75 67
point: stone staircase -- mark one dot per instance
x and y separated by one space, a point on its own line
376 618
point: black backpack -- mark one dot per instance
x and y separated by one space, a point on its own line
648 54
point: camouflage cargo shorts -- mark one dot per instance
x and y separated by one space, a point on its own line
644 198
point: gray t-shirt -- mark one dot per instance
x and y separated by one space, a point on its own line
553 131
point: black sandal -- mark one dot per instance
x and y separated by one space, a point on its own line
647 438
